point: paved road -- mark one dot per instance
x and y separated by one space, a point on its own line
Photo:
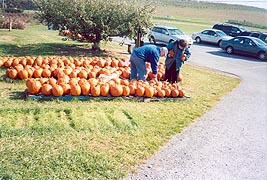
227 143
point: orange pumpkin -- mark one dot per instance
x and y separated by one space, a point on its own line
126 90
85 86
82 74
75 90
46 73
46 89
23 74
140 91
181 92
149 91
57 90
132 89
104 89
34 86
167 91
174 93
66 89
12 73
161 93
116 90
37 73
95 91
180 77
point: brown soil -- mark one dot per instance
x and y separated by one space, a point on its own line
7 39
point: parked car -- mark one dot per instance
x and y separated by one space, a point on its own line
257 34
214 36
245 45
166 34
229 29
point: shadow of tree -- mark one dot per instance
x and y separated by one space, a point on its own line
46 49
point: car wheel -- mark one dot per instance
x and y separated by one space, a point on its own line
198 40
152 40
262 56
219 43
229 50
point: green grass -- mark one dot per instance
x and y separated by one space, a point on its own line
95 139
89 139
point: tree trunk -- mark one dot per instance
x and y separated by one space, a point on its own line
95 46
10 24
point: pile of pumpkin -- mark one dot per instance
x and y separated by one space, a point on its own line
86 76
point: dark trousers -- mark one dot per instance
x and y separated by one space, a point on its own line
171 75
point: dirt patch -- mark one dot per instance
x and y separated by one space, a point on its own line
7 39
87 51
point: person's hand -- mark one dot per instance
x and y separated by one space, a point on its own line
154 77
171 53
183 57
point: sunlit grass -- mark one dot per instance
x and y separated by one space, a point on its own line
90 139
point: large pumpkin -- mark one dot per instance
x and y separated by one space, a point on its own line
95 91
33 86
140 91
85 86
46 89
116 90
57 90
75 89
104 89
126 90
23 74
149 91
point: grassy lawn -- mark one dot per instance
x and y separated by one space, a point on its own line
89 139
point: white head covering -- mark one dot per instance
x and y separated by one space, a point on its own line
165 50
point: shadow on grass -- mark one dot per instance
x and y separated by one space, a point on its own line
18 95
50 49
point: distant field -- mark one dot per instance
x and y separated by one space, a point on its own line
212 15
194 18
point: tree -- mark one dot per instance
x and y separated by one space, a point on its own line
96 20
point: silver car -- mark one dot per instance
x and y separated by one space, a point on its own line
210 36
161 34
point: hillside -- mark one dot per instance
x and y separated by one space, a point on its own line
209 12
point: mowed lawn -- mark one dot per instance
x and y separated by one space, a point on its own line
92 139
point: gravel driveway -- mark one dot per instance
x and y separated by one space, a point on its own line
227 143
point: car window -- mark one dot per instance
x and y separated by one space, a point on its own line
238 40
205 32
175 32
251 43
221 33
235 30
259 42
263 37
211 33
156 29
226 28
164 31
255 35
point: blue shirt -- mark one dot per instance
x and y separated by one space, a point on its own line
149 53
177 55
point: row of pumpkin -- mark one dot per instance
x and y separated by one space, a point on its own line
93 76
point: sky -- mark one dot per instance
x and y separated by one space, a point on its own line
255 3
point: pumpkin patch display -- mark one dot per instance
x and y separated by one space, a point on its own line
87 76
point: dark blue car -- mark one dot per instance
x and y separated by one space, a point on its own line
246 45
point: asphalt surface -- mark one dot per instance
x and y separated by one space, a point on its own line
227 143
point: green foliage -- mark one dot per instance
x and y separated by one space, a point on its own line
98 19
246 23
2 19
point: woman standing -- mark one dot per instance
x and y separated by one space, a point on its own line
178 53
